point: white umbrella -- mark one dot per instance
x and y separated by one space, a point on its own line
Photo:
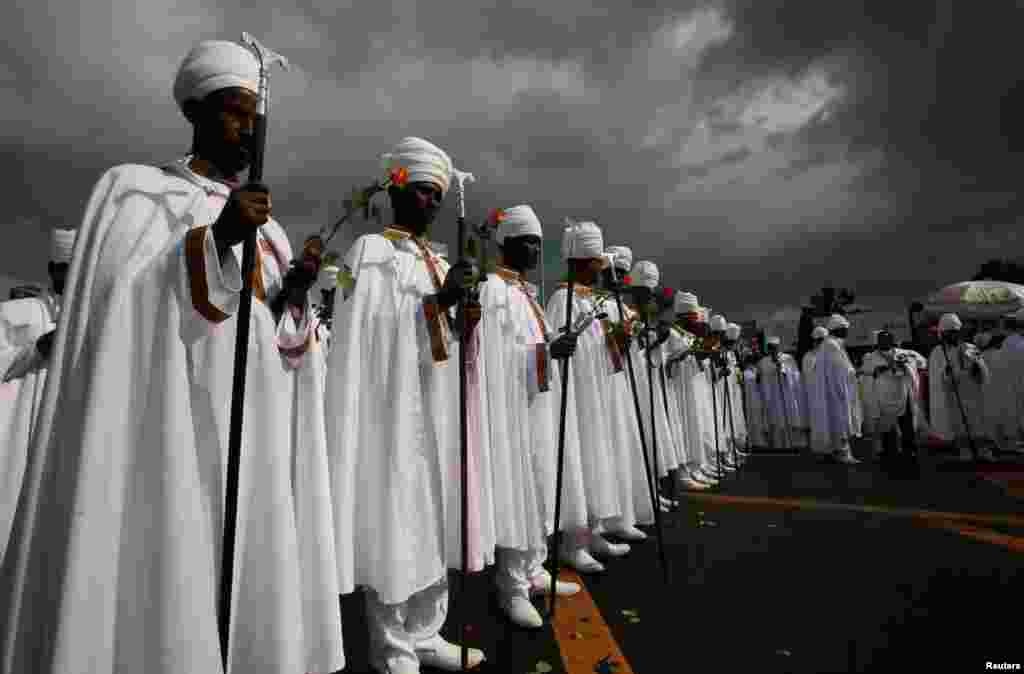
976 300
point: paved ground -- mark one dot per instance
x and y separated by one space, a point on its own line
793 566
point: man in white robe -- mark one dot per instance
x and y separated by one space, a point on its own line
115 555
890 407
393 423
815 405
516 370
695 392
781 398
730 340
587 385
634 488
865 375
957 389
1008 394
27 326
836 383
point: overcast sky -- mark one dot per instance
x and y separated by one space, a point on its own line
752 149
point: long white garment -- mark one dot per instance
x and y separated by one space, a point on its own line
675 349
778 414
947 418
835 384
738 427
868 395
634 492
393 429
514 360
1009 394
589 371
668 455
23 375
118 532
815 403
704 412
757 425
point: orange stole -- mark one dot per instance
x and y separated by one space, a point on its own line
437 318
195 264
540 353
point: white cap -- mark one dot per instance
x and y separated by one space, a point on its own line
819 332
645 273
62 244
732 331
517 221
717 323
213 65
686 303
837 321
582 240
421 161
622 257
949 322
773 341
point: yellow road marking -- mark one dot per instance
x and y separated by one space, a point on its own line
583 636
812 504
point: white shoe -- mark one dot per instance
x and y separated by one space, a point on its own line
541 584
629 533
667 502
581 560
521 612
707 476
437 652
602 548
693 485
847 458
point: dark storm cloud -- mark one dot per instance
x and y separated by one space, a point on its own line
747 147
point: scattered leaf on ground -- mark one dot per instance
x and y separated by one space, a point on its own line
783 651
543 667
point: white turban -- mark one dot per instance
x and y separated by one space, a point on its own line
214 65
327 279
949 322
982 339
582 240
686 303
518 221
773 341
836 321
645 273
717 323
732 331
622 257
819 333
422 160
61 245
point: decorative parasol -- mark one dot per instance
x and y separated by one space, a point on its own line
976 300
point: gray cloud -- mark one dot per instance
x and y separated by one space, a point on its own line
750 148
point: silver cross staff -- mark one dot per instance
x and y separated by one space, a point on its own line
267 58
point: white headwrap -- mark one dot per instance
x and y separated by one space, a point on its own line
819 332
773 340
732 331
836 321
717 323
645 273
214 65
949 322
686 303
582 240
327 279
982 339
518 221
422 160
622 257
61 245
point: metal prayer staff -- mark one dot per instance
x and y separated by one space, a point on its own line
266 59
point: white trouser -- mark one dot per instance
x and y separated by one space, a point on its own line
515 570
396 629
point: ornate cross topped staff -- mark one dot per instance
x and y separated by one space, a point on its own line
266 59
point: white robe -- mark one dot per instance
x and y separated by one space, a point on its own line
815 403
675 349
119 528
513 352
757 425
1004 392
838 419
23 375
947 418
777 414
393 431
589 371
634 491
